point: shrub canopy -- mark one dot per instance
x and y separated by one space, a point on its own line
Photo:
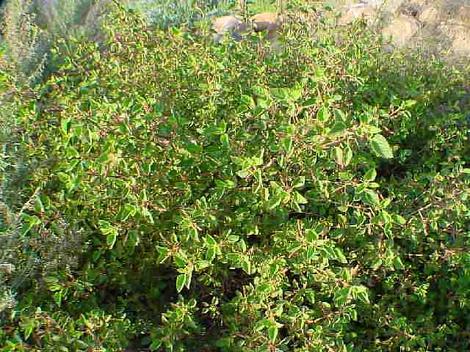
186 196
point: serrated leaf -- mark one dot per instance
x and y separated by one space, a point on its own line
380 147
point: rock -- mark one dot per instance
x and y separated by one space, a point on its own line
389 6
421 3
353 12
463 15
401 29
266 21
228 24
374 3
459 36
429 15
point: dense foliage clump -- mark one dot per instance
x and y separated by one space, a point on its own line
186 196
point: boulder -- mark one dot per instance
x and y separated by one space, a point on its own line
463 15
228 24
356 11
459 36
266 21
429 15
401 29
392 6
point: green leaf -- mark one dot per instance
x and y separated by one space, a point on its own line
163 254
399 219
109 231
246 265
397 263
340 256
181 281
210 240
299 199
210 254
299 182
338 156
247 101
370 197
380 147
323 114
224 140
111 240
342 296
65 125
273 332
360 293
338 128
275 201
29 222
348 155
287 94
180 260
370 175
311 235
287 144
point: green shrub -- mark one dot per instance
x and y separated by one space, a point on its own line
201 197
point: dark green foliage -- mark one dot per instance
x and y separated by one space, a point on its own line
200 197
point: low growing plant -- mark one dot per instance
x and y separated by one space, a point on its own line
235 198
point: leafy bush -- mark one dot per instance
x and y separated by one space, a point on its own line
235 198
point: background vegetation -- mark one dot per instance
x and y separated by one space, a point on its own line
162 192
